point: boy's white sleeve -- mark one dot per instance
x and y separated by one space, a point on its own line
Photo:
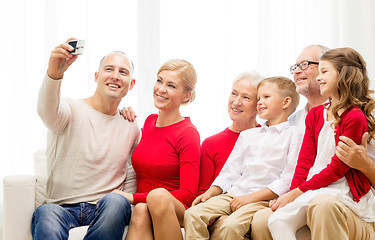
54 113
282 185
232 168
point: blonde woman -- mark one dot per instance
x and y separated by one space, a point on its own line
166 159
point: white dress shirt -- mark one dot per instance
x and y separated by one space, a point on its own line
298 119
263 157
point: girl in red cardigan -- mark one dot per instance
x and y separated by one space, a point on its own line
343 79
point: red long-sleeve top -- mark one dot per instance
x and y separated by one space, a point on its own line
167 157
215 151
353 124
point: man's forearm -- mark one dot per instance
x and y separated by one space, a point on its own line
369 171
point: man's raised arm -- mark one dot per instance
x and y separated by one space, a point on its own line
48 107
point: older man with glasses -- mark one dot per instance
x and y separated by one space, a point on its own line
327 217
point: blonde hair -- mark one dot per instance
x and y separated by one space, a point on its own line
287 88
186 71
352 85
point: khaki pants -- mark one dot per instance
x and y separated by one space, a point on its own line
235 226
327 217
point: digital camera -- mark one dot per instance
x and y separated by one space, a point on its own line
78 46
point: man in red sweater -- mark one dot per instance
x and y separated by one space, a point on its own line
327 217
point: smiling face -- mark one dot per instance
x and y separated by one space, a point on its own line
328 79
114 76
270 103
242 101
305 80
169 91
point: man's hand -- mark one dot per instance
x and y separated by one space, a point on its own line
60 59
353 155
128 114
285 199
356 156
211 192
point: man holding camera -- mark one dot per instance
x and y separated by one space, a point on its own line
87 149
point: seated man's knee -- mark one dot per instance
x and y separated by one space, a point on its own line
115 205
49 220
115 200
323 205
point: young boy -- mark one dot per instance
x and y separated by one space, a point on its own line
260 167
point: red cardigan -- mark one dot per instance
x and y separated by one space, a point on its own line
353 124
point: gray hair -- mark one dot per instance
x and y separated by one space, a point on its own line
253 76
321 48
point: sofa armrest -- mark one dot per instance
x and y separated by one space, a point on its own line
19 206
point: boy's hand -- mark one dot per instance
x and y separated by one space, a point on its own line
240 201
128 114
211 192
285 199
197 200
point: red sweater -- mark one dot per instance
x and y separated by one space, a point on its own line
214 153
167 157
353 124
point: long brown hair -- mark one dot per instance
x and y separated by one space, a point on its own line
352 85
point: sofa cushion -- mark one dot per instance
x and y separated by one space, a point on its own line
77 233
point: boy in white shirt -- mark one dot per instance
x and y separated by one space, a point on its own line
260 167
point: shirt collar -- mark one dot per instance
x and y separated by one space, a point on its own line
279 127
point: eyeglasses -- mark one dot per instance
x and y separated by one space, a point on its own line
303 65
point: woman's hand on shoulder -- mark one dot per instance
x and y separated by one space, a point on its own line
128 114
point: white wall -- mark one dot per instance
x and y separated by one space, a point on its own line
220 37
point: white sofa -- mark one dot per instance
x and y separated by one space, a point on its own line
23 193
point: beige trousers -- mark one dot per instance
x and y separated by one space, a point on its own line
327 217
235 226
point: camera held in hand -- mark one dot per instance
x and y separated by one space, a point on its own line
78 46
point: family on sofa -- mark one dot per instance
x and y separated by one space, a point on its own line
250 180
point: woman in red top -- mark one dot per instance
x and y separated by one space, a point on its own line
166 159
242 111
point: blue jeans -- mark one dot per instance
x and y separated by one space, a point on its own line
106 220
